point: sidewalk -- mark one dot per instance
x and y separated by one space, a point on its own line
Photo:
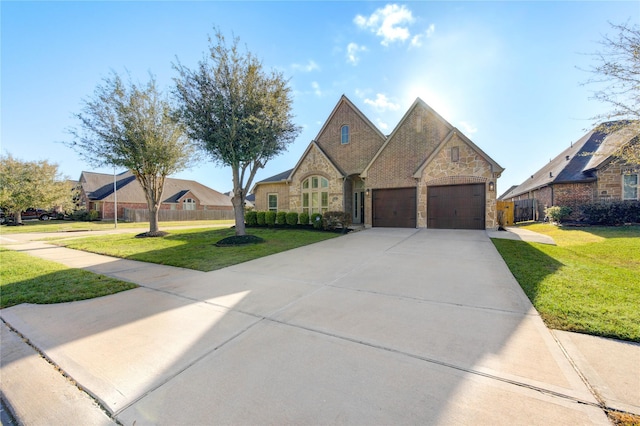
253 340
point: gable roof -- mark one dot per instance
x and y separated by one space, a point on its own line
578 162
99 187
345 100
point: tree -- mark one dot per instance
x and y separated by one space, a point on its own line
237 113
132 126
25 184
617 73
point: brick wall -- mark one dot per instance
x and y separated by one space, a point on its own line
262 195
609 186
364 141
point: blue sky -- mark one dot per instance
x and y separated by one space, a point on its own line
507 74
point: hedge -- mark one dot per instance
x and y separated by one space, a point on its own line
281 218
270 218
611 213
292 218
251 218
261 218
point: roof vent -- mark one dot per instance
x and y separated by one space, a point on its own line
567 157
550 174
531 176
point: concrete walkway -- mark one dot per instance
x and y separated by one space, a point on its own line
376 327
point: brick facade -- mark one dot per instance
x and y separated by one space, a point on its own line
421 144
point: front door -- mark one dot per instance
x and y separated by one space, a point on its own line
358 207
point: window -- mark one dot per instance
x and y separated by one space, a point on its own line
273 202
315 195
189 204
629 187
344 134
455 154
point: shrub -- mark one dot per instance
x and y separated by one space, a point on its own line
611 213
260 216
557 213
333 220
292 218
281 218
251 218
85 215
316 220
270 218
304 218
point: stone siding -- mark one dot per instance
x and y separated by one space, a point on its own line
609 185
316 164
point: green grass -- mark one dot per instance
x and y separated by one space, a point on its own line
195 248
70 226
27 279
589 283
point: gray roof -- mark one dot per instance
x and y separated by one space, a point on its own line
578 162
99 187
277 178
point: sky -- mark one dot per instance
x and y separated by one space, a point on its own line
508 74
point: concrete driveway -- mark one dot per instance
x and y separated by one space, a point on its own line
383 326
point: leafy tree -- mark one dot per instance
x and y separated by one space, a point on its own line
617 74
38 184
237 113
132 126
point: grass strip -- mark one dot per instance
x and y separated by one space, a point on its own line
28 279
31 226
195 248
589 283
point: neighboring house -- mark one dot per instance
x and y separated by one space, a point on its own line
585 172
248 200
96 192
426 173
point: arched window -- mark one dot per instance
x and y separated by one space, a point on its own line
315 195
189 204
344 135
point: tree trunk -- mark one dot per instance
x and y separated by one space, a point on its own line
153 218
238 209
17 218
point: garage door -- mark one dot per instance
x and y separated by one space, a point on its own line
456 206
394 207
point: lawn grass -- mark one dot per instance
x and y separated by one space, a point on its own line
27 279
589 283
31 226
195 248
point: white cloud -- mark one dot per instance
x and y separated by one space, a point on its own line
316 88
468 129
382 125
416 40
308 67
391 23
382 103
353 51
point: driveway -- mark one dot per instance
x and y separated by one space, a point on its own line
383 326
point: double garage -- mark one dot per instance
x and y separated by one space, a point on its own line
448 207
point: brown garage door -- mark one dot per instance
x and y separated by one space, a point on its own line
456 206
394 207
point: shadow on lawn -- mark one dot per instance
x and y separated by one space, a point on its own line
528 265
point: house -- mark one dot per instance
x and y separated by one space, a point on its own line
426 173
585 172
96 193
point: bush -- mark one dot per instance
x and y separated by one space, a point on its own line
292 218
85 215
281 218
557 213
333 220
270 218
612 213
260 216
316 220
251 218
304 218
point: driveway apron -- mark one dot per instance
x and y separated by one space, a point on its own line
381 326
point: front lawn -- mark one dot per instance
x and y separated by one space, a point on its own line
106 225
28 279
195 248
588 283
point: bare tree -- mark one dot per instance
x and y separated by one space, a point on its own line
38 184
132 126
237 113
616 72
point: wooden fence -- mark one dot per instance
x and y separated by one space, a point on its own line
142 215
505 209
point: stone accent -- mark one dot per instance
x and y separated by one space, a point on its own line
470 168
315 163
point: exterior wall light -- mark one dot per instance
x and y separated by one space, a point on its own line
367 192
492 186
